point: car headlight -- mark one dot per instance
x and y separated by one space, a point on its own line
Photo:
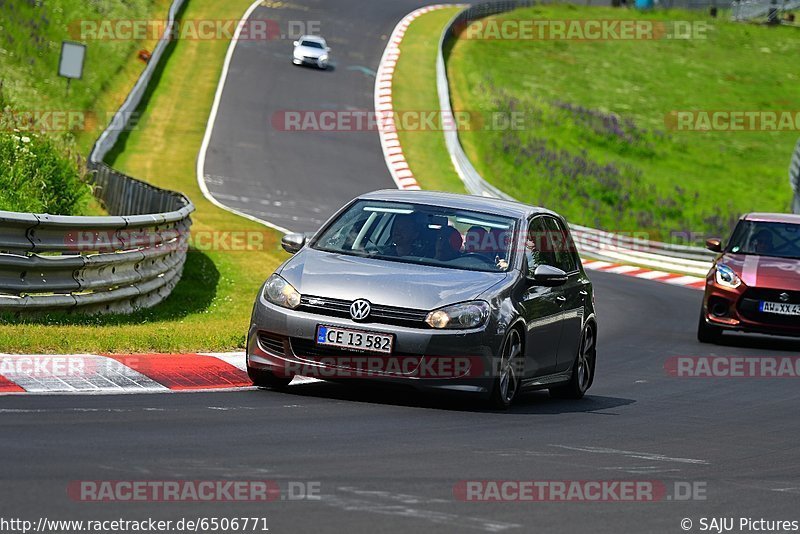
727 277
323 58
279 291
465 315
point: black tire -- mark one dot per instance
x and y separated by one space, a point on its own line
582 369
707 333
506 384
267 379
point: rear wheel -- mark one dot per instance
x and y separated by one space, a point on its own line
507 383
707 333
267 379
582 370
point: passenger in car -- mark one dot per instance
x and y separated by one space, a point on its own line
475 239
448 244
498 243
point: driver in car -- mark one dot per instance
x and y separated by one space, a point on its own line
405 237
763 242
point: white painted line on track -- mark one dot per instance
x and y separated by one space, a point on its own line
212 117
633 454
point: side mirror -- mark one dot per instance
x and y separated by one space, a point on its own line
292 243
296 43
549 276
714 245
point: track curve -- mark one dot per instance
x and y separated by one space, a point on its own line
297 179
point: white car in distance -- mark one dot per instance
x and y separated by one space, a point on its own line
311 50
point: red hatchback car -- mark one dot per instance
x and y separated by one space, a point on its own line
754 284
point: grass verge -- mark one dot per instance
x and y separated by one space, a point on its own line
210 307
30 46
414 90
599 142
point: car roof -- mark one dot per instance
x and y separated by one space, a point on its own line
494 206
772 217
311 38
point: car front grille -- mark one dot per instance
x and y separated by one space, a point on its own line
272 343
378 314
749 304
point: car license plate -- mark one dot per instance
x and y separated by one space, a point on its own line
780 308
354 339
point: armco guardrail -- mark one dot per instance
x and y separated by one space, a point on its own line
120 263
120 120
596 243
753 9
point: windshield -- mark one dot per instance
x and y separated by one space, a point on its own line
427 235
311 44
779 240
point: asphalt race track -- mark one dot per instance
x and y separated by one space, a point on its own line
298 179
389 460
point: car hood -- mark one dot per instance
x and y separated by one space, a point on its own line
308 51
387 283
764 271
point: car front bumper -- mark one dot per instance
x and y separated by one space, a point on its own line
308 61
282 341
741 314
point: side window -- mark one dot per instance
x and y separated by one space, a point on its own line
561 245
538 250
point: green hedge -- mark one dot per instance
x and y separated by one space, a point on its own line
38 174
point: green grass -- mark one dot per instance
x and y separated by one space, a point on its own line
649 177
414 90
209 309
30 46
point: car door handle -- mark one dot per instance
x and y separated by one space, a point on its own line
561 299
583 293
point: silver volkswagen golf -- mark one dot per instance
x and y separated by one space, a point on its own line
436 290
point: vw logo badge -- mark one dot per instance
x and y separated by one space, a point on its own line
359 310
783 296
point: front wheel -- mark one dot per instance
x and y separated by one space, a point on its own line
267 379
507 383
707 333
582 370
